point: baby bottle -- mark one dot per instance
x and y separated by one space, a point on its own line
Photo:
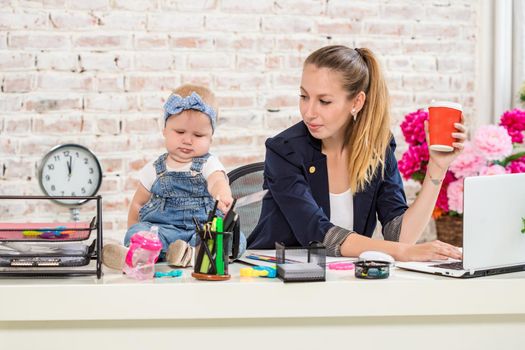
144 249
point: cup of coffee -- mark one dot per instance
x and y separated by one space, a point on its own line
442 116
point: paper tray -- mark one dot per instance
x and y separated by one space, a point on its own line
46 232
301 264
45 255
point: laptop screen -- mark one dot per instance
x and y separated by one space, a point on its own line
492 221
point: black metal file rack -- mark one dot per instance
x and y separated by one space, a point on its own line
84 260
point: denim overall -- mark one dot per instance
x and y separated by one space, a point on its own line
176 198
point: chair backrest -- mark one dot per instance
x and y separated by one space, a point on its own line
246 180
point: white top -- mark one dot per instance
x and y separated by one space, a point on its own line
118 297
148 174
447 104
342 209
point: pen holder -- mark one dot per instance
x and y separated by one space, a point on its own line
211 256
301 264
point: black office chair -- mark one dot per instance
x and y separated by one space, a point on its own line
245 180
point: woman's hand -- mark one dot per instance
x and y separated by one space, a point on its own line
443 159
435 250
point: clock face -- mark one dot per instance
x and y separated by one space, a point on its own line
70 170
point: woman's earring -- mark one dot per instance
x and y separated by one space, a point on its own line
354 114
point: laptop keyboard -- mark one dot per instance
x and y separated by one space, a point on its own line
457 265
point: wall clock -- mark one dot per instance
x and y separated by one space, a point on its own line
70 170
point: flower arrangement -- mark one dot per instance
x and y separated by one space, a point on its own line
494 149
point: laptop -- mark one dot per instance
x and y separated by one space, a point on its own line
493 229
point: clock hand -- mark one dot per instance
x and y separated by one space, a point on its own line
69 166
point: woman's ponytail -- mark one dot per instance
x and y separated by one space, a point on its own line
368 135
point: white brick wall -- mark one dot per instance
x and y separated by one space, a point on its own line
96 72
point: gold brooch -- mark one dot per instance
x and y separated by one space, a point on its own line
311 169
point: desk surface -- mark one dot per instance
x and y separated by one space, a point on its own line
116 297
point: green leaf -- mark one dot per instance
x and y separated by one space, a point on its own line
523 229
418 176
510 158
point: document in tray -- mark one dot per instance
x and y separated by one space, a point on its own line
301 268
259 257
301 272
57 231
31 248
17 255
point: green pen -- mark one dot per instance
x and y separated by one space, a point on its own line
206 263
219 253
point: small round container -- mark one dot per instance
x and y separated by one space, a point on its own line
372 269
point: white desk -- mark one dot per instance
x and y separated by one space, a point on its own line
408 310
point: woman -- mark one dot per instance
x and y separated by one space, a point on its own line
331 176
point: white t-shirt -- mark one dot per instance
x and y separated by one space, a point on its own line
147 175
342 209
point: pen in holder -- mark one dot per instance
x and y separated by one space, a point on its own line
211 254
232 224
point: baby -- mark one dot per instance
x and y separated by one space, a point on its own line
181 184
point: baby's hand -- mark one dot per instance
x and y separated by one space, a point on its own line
225 202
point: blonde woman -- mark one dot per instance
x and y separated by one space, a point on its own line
331 176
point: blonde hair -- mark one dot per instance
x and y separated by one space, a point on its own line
368 137
206 94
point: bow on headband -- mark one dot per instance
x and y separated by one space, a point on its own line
176 104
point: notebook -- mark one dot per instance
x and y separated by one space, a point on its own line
493 220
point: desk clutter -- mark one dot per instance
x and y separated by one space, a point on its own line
51 249
371 269
259 271
301 264
214 238
144 250
67 248
373 265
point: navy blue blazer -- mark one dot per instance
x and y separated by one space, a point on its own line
296 209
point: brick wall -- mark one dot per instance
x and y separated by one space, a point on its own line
97 72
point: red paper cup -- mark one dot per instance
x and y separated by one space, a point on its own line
442 116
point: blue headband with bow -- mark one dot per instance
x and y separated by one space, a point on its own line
176 104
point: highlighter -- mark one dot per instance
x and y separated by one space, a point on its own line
219 244
205 266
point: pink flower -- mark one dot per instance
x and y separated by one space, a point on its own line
492 170
455 196
493 142
442 201
468 162
413 127
514 122
489 148
411 160
449 178
516 166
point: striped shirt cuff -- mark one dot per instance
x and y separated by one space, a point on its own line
333 240
392 229
337 235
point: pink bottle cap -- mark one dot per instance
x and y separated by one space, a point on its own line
140 240
146 242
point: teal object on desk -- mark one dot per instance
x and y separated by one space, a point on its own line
272 271
172 273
